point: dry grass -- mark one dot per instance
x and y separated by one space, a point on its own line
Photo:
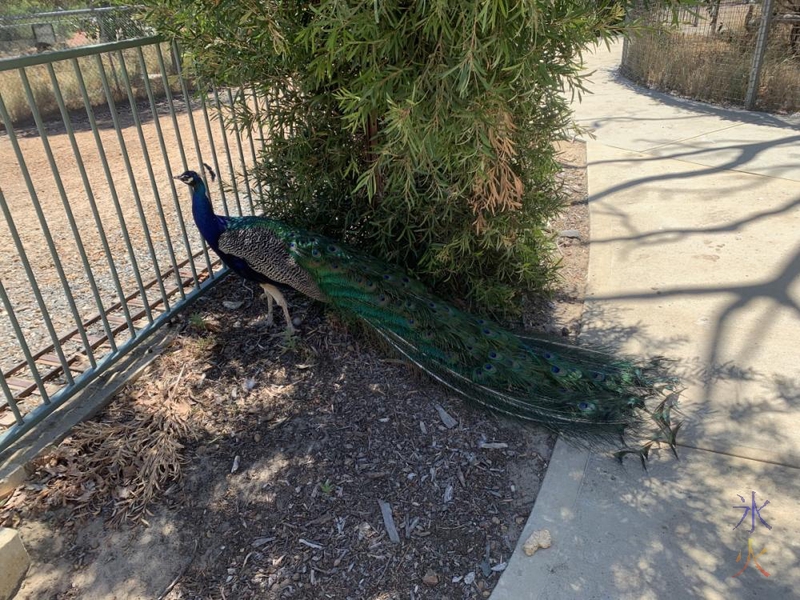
133 452
715 68
17 104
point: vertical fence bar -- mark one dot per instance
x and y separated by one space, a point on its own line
10 401
132 179
243 91
259 119
758 55
37 294
98 222
241 160
112 188
214 153
154 187
48 239
26 351
70 218
227 151
171 103
193 129
165 155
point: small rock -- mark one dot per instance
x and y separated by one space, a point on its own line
231 305
448 421
235 466
430 578
570 233
499 567
469 578
256 438
538 539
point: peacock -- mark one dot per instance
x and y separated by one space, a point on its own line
582 394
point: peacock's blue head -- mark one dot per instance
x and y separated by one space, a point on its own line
191 178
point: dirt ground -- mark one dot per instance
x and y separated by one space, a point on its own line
307 467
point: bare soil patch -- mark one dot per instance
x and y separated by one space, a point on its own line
280 461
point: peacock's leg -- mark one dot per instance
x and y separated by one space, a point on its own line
268 296
275 293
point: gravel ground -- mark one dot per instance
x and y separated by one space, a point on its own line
15 190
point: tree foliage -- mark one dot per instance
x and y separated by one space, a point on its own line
420 131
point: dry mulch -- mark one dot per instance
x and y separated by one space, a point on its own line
305 467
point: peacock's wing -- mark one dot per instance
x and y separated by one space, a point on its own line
579 393
261 243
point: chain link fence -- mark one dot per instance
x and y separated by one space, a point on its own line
57 30
730 52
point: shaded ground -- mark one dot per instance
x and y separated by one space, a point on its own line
286 450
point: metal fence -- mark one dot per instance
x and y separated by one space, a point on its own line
100 249
56 30
724 51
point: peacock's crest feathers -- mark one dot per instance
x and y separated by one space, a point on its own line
583 394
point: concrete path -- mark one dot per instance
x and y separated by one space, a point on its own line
695 254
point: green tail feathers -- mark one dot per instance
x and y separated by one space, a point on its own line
586 395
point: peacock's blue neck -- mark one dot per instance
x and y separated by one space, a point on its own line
209 224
